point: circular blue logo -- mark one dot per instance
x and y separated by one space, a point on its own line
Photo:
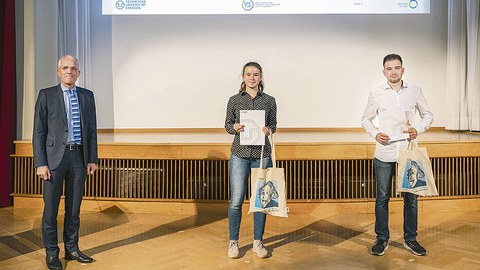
120 4
413 4
247 5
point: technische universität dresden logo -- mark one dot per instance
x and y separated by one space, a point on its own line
247 5
413 4
120 4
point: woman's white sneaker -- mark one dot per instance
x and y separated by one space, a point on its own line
259 249
233 249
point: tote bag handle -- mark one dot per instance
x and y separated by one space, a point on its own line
272 155
410 145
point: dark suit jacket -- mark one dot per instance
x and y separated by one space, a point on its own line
50 128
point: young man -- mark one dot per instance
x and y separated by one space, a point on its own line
395 104
64 150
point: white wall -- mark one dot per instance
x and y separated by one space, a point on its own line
178 71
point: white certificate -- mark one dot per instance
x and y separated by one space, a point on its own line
394 123
253 121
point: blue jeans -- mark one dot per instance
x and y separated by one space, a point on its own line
384 172
239 173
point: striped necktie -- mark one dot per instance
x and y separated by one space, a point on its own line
75 117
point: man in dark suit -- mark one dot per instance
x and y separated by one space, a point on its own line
65 151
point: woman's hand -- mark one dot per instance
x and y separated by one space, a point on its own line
238 127
266 130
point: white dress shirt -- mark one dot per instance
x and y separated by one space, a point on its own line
381 103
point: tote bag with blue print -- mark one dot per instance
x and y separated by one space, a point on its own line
268 188
415 173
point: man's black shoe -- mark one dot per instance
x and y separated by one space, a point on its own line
53 263
379 247
78 256
415 248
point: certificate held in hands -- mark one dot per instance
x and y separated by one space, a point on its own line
253 121
393 123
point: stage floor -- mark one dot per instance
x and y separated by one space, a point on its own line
303 241
280 137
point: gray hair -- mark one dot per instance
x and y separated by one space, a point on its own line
68 56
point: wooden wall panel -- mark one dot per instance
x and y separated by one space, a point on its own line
306 180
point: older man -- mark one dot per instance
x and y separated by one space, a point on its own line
65 151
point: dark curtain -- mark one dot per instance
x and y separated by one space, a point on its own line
8 99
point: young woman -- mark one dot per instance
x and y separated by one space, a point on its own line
245 157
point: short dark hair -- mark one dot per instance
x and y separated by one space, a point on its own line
391 57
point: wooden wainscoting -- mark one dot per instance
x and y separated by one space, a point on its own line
315 172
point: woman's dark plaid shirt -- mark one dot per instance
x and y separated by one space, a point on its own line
243 101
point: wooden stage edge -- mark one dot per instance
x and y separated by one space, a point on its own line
316 208
298 144
222 130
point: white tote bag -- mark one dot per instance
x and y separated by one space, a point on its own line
415 173
268 188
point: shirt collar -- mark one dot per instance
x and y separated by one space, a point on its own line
405 85
64 88
259 93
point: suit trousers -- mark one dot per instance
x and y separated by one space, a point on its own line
72 172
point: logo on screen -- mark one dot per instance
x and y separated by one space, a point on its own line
413 4
120 4
247 5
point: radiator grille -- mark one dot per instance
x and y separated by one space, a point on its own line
153 179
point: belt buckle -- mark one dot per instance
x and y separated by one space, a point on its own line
72 147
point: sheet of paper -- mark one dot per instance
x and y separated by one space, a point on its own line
393 124
254 121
